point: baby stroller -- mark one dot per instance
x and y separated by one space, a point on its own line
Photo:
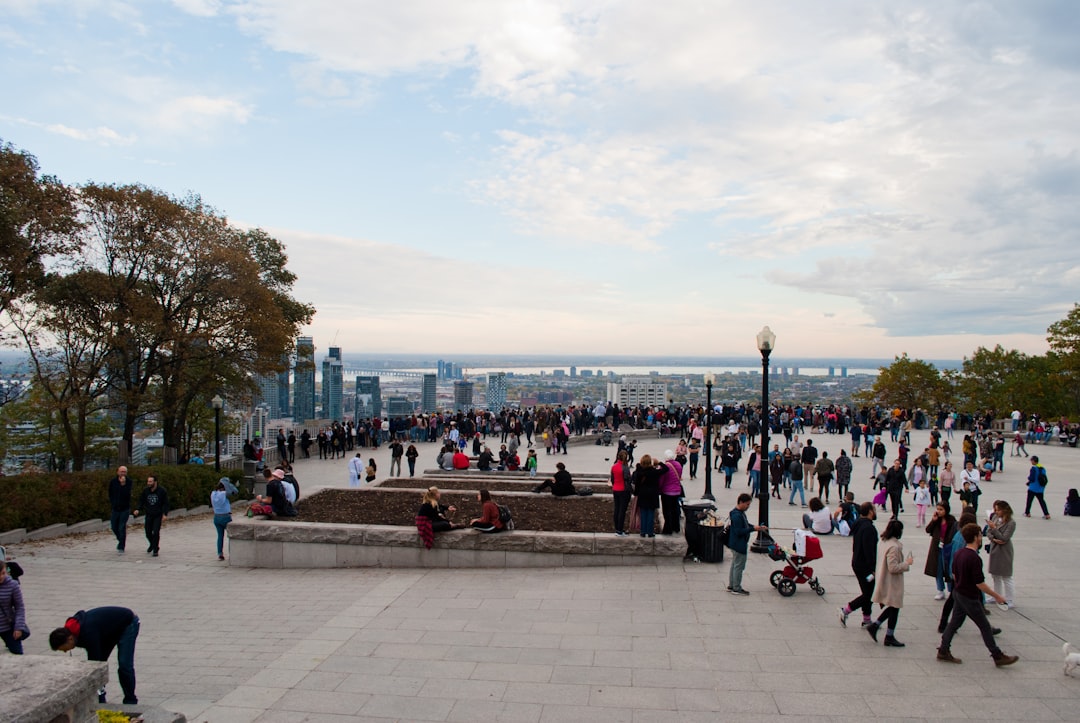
807 548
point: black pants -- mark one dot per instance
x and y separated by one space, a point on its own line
152 528
119 522
1036 496
894 499
866 592
622 501
693 465
670 506
963 608
889 617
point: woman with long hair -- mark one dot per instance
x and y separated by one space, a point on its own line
999 531
435 511
890 583
488 521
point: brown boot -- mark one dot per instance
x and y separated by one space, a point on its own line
1002 660
946 656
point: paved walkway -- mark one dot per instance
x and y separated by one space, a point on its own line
611 644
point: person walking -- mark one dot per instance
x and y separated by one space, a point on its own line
824 470
356 470
969 582
154 504
397 451
796 470
1036 486
219 500
98 631
895 480
864 539
942 529
411 453
890 583
844 468
999 530
947 480
13 629
120 504
738 541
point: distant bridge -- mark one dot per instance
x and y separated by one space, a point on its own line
350 373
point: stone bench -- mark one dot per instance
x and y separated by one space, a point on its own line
268 544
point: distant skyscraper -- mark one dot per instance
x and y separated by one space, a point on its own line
448 370
268 397
334 352
304 380
333 384
573 372
398 407
441 370
794 371
427 393
463 396
559 373
634 391
843 372
284 407
496 391
832 371
368 397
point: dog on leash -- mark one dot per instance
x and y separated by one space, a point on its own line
1072 658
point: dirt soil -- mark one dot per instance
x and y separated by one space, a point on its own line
385 507
492 484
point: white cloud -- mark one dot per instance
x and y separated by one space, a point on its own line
192 112
104 136
199 8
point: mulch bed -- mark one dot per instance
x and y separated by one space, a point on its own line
541 512
490 483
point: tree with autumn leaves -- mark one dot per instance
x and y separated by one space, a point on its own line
141 303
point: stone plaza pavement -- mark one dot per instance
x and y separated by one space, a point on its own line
654 643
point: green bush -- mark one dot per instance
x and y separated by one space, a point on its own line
39 500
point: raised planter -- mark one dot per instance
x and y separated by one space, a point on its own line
269 544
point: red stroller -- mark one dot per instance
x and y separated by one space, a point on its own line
796 571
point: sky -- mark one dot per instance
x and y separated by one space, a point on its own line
868 178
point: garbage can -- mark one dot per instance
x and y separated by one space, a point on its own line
694 512
713 541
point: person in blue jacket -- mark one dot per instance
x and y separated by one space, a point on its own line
1036 486
738 538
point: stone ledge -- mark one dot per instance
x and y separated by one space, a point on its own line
13 537
258 543
46 688
48 531
87 526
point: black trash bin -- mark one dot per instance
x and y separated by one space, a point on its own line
694 512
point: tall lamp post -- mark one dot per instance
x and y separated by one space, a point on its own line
710 379
765 342
217 402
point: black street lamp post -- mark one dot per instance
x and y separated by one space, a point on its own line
217 402
710 379
765 342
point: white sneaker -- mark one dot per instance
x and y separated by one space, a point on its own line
940 595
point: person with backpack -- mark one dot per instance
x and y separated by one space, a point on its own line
489 520
796 471
1036 486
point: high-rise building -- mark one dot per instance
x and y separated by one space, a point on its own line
284 408
843 372
634 391
333 385
573 372
268 396
427 393
440 370
463 396
832 371
496 391
304 380
368 397
398 407
559 373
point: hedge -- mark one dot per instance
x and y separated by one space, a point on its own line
39 500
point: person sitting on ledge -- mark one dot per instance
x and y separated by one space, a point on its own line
488 521
461 460
483 462
562 484
819 520
436 512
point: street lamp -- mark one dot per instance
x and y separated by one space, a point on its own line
217 401
710 379
765 342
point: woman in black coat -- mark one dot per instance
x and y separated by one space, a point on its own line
647 491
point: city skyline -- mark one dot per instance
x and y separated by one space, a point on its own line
866 179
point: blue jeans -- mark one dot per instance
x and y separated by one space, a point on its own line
221 522
738 564
118 521
755 481
125 660
648 522
797 486
14 646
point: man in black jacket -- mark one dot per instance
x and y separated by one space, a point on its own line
895 481
864 539
154 504
98 631
120 505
